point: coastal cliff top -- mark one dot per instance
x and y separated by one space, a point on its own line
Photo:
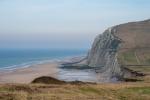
135 48
134 34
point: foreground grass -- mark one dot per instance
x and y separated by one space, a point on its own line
109 91
119 91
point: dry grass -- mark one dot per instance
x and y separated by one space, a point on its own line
109 91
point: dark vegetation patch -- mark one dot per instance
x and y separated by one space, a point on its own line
133 72
47 80
80 83
50 80
131 80
141 69
68 66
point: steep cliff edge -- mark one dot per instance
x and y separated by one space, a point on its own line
120 46
104 46
103 54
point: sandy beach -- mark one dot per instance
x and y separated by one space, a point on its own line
26 75
52 69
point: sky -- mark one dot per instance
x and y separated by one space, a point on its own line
67 24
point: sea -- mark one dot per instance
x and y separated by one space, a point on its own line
19 58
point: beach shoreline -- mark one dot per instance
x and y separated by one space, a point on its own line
28 74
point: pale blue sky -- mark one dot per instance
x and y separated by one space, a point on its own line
63 23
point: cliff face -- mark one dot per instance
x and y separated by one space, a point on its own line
109 47
103 55
105 45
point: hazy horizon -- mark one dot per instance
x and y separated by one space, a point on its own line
64 24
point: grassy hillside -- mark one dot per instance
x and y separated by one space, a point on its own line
134 51
134 34
135 57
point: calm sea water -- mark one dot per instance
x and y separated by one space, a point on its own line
12 59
